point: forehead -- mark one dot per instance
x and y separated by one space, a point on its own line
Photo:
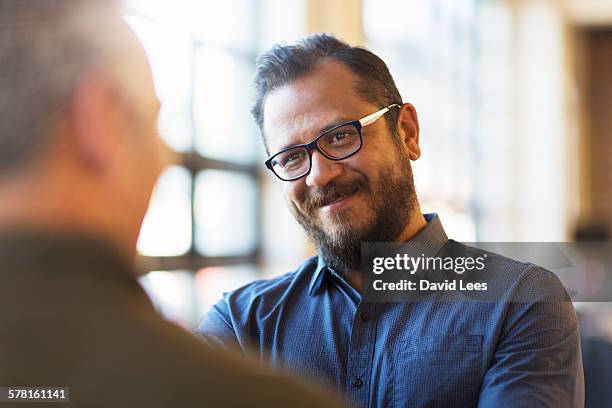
296 112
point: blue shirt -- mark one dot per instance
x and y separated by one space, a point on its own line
311 322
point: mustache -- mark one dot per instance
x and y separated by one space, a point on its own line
322 196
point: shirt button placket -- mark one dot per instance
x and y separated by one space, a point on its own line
360 355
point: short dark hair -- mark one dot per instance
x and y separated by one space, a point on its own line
284 63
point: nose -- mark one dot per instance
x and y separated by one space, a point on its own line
322 171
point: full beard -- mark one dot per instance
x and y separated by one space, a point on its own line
392 205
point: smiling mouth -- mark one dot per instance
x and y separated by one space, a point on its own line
334 202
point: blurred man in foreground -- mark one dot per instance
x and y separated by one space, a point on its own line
341 141
79 156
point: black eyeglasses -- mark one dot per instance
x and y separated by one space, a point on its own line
337 143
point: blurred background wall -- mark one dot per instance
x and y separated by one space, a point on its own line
515 104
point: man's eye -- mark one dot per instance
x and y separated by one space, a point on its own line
341 137
293 156
291 159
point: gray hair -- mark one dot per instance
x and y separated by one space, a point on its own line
45 48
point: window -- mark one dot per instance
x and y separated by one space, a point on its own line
203 57
431 49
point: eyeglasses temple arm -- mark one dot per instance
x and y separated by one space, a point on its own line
373 117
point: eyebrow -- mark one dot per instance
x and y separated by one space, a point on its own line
331 124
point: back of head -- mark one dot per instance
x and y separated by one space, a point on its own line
45 47
79 116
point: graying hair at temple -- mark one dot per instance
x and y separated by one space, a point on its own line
46 46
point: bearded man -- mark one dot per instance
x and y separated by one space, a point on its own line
341 141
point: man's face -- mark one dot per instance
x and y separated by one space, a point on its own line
367 197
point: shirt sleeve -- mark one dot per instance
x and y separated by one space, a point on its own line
216 326
538 360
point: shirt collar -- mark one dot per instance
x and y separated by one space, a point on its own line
427 241
318 276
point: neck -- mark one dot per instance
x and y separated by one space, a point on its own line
32 205
416 224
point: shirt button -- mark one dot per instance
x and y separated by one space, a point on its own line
364 317
357 383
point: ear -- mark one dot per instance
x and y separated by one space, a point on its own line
408 128
93 122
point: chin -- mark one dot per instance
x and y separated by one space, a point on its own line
343 225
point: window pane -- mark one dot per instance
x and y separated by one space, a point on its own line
228 22
166 230
211 283
226 213
411 21
211 24
432 54
173 295
225 129
171 55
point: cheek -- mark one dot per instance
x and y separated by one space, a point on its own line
145 164
159 156
293 191
152 148
377 159
364 166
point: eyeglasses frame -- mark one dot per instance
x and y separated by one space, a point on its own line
312 145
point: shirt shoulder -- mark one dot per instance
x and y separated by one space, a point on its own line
240 310
511 279
266 293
